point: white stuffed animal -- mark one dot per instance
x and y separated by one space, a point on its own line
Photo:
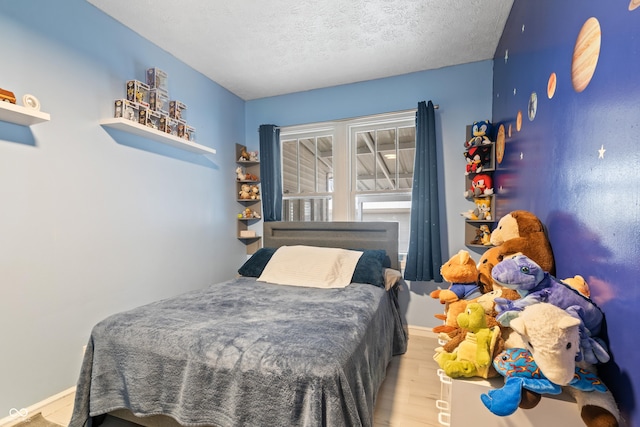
240 174
552 336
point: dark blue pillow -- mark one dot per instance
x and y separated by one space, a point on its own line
370 267
258 261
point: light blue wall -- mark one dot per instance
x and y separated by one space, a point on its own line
464 94
93 222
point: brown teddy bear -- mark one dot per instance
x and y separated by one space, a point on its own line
521 231
488 260
245 192
462 273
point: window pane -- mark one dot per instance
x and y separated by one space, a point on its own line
307 209
406 156
386 158
290 167
395 207
365 169
307 163
325 164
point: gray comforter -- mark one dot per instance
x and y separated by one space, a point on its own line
245 353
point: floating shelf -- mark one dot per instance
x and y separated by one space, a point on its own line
21 115
156 135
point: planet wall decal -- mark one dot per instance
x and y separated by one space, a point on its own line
585 54
519 121
551 85
500 140
633 4
533 106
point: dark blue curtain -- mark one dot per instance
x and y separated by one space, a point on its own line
424 257
270 174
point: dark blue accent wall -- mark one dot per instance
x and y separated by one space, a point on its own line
575 163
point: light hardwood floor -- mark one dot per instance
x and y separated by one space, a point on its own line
407 397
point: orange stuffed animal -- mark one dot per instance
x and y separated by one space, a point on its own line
461 271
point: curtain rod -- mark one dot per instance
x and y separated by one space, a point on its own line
435 107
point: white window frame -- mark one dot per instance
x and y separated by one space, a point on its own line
344 195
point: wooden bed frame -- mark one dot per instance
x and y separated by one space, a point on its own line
347 235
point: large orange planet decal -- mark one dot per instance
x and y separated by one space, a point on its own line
585 54
551 85
634 4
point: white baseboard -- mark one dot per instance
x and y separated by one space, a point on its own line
422 331
46 406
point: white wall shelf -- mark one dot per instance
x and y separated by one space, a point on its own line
158 136
20 115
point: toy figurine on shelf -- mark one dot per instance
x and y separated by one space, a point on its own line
478 239
485 237
244 155
7 96
477 157
480 132
240 175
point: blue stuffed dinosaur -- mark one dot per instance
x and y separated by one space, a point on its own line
521 371
535 285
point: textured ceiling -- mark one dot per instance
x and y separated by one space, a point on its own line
258 48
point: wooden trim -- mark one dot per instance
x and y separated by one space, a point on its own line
421 331
46 406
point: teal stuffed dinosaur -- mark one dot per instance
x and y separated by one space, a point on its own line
521 371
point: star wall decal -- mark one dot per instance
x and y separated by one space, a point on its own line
601 152
506 55
521 155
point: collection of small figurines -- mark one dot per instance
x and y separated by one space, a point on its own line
249 192
248 156
478 152
247 181
148 104
249 214
241 175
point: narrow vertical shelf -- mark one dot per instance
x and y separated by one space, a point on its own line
476 229
248 200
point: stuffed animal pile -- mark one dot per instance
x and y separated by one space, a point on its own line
516 320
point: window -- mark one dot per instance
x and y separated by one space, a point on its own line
351 170
307 171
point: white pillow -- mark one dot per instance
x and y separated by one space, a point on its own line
311 266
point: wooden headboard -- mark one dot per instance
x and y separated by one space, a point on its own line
346 235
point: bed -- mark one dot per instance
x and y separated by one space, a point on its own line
249 352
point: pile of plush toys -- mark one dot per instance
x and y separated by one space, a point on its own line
249 192
507 315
